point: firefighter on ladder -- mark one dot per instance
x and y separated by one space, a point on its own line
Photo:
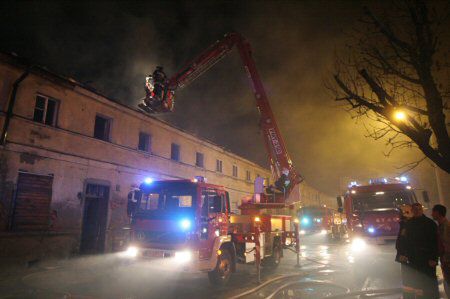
155 87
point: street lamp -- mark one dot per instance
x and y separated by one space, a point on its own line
400 115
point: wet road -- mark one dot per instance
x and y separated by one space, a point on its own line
326 270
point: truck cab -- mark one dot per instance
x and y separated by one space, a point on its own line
372 211
184 220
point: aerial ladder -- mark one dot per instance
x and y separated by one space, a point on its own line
160 98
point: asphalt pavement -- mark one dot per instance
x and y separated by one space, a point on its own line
326 270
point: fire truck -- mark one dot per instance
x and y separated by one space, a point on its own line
372 210
322 220
315 219
189 221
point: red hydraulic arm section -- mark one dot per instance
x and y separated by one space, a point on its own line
280 161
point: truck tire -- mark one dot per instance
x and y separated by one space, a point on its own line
222 273
274 260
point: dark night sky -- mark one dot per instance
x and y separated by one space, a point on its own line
112 46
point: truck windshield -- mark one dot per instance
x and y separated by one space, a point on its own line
378 201
176 197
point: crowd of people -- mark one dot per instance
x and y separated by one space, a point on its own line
421 245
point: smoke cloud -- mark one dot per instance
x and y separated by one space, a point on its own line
112 46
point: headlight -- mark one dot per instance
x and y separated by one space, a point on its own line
358 245
185 224
183 256
131 252
371 230
323 232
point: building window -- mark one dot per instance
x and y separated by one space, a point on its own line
45 110
175 152
199 160
218 165
235 171
144 142
248 176
102 128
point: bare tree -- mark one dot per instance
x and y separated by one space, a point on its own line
395 72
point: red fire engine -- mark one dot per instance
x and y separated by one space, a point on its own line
321 220
190 221
315 219
372 211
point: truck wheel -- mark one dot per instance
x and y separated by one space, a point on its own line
222 273
274 260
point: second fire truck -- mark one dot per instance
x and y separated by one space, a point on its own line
371 211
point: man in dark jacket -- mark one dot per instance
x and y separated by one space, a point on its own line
408 277
422 252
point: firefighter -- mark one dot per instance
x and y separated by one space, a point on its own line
422 253
439 214
283 182
149 86
133 197
159 79
258 188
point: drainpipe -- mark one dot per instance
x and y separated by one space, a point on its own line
12 101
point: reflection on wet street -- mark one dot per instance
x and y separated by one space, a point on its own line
327 270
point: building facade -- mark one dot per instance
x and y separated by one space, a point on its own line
71 156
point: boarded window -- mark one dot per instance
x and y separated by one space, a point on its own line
102 128
144 142
218 165
45 110
199 160
235 171
175 152
32 204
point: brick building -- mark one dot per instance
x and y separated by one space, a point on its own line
69 156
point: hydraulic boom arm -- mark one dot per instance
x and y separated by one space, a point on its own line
280 161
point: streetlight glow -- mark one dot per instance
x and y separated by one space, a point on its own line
400 115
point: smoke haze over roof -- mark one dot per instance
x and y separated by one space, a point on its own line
112 46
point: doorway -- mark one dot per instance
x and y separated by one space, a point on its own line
95 215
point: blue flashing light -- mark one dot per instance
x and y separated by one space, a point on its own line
371 230
305 220
403 179
185 224
353 184
148 181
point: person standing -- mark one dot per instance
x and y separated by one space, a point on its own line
401 245
258 188
439 214
422 252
